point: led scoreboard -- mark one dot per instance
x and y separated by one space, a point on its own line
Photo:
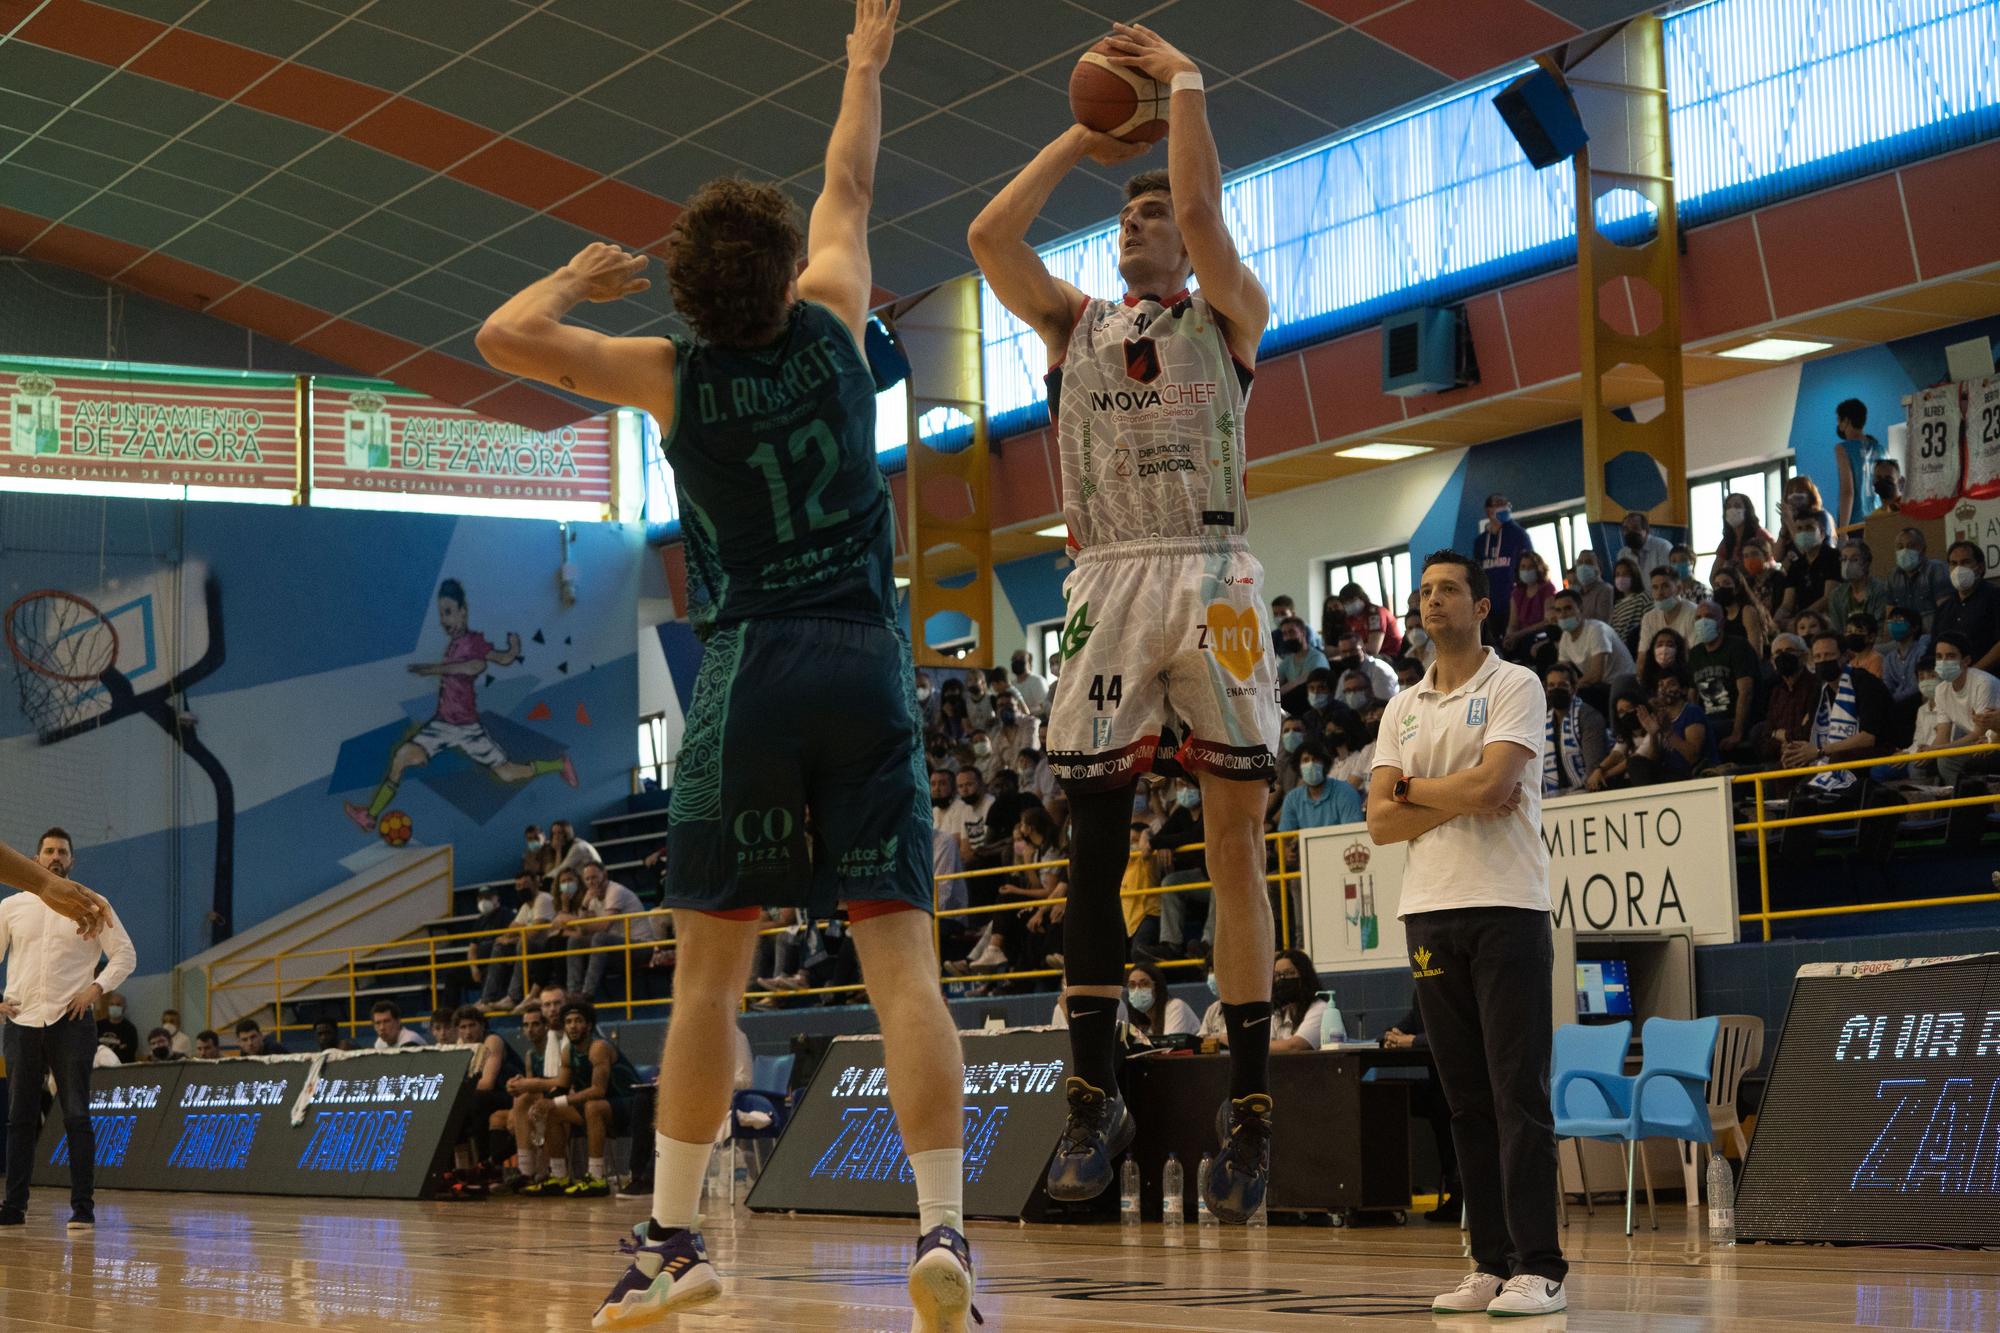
374 1124
1881 1123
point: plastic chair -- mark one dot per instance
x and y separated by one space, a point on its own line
1668 1100
1739 1048
771 1077
1576 1098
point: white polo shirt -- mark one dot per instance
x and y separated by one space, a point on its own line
1473 860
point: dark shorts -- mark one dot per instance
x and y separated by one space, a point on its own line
801 779
621 1115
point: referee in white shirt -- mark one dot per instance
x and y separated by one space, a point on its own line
1457 775
51 1028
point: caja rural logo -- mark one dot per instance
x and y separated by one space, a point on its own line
1423 968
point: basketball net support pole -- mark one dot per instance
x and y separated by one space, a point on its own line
941 334
1620 90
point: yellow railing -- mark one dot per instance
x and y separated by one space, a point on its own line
1762 826
289 988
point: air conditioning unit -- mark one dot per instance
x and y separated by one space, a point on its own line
1427 350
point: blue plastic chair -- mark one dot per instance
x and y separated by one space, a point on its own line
1587 1072
769 1092
1668 1100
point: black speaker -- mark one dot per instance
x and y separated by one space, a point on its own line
1543 119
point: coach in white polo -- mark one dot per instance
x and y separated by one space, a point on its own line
1457 776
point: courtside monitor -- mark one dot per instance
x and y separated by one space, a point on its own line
1603 989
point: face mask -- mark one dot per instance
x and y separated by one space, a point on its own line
1287 990
1623 583
1529 577
1725 596
1006 716
1312 773
1586 574
923 693
1665 604
1963 577
1828 672
1634 539
1212 990
1353 608
1706 631
1885 487
1754 564
1292 740
1928 685
1189 797
1807 539
1417 637
1559 699
1899 630
1852 571
1684 568
1140 998
487 904
1571 624
1908 559
970 800
160 1052
1734 516
1787 663
1949 669
173 1029
984 749
1628 725
1855 643
534 844
940 802
1356 699
1318 698
1501 516
115 1012
1293 645
1664 655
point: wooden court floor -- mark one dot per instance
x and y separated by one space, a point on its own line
221 1264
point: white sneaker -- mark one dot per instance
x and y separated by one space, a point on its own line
1474 1293
1527 1294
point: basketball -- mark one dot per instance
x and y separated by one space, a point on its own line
395 828
1117 101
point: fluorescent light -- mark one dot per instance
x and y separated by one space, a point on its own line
1059 530
901 583
1774 349
1382 451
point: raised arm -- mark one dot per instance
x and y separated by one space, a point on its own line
837 272
87 909
1195 172
527 336
998 237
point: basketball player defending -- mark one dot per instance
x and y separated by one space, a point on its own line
1164 658
769 422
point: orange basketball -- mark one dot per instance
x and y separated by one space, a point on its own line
1117 101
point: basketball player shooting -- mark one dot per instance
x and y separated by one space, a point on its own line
64 896
455 725
769 422
1164 660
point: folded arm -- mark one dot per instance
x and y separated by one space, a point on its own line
1390 820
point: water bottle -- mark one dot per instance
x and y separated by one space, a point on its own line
1128 1192
1204 1214
1721 1201
1172 1193
1262 1217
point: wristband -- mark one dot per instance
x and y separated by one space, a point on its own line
1187 81
562 1099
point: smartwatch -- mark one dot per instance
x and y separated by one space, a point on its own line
1402 790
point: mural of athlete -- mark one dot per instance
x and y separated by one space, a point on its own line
455 725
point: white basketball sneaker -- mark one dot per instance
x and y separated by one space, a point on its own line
1527 1294
1474 1293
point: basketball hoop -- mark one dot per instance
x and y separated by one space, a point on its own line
62 646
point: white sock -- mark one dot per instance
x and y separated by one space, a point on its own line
531 1161
940 1188
677 1175
597 1168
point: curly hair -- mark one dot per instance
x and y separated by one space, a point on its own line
729 259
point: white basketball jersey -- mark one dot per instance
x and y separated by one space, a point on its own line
1982 437
1148 404
1936 473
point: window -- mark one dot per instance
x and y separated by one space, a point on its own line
1045 645
1384 576
1763 484
658 748
1558 536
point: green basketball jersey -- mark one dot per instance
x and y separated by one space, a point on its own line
783 508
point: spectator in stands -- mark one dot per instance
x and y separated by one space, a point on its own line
1213 1028
1639 544
1297 658
327 1036
1282 609
1151 1009
606 897
183 1045
1794 695
123 1033
1763 578
498 1065
1501 544
495 915
1353 750
1034 691
1594 596
389 1030
1035 778
1378 677
160 1047
1723 672
1670 611
1685 742
1906 645
1417 645
1576 740
207 1045
1409 671
1968 702
567 935
1015 731
978 701
1918 581
1142 914
1297 1011
1973 609
1802 500
965 822
539 860
1183 829
1634 601
594 1091
1924 728
1809 625
1740 526
1291 736
1319 801
984 757
1856 454
1375 627
1850 711
1038 838
545 1053
1592 647
444 1025
1691 588
952 723
250 1039
503 985
570 851
927 700
1811 571
1743 618
1858 589
1859 639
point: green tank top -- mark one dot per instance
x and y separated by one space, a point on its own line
784 511
623 1076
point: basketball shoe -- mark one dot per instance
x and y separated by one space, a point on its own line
669 1273
1235 1183
941 1283
1099 1129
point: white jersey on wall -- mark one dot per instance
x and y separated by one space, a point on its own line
1148 404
